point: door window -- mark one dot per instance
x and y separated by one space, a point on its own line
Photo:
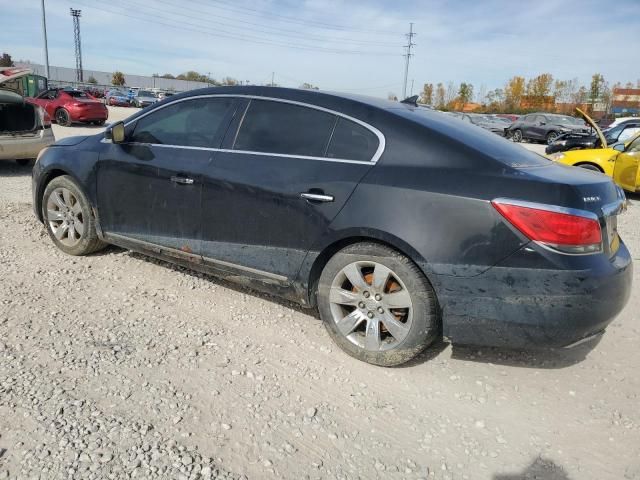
284 128
200 122
634 147
540 119
628 132
351 141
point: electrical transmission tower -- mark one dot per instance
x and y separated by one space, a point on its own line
408 56
76 37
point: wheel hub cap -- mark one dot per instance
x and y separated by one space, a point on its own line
65 217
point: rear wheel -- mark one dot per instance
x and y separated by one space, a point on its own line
68 217
377 305
62 117
588 166
517 135
99 123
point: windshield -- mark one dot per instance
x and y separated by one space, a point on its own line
564 119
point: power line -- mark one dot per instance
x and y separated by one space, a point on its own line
271 30
408 56
232 35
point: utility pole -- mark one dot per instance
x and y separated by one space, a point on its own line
408 56
46 47
411 94
76 37
272 78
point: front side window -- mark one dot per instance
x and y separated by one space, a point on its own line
351 141
191 123
284 128
634 147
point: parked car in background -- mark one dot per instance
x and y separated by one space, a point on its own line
487 122
509 116
546 127
117 98
163 95
573 141
143 98
67 106
25 128
620 120
95 92
355 206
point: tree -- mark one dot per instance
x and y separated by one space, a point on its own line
6 60
229 81
596 91
92 80
392 96
308 86
513 92
167 75
465 93
426 96
481 96
118 79
440 96
450 94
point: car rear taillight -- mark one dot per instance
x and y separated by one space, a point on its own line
564 230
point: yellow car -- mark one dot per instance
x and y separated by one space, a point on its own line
619 161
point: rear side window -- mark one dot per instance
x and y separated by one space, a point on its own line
192 123
284 128
351 141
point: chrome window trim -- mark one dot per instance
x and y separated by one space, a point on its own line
376 156
545 206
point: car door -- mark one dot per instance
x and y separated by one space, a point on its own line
626 171
538 129
526 126
282 177
46 101
149 187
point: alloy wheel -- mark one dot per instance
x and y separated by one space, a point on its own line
517 136
62 117
65 217
371 306
551 138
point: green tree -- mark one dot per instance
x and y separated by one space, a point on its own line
118 79
596 91
167 75
426 96
6 60
465 93
92 80
308 86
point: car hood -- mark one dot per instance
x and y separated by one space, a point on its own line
9 75
71 141
593 125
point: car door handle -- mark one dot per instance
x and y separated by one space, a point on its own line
317 197
182 180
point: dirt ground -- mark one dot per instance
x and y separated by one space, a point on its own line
118 366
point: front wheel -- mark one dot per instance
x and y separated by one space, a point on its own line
69 218
377 305
517 136
551 137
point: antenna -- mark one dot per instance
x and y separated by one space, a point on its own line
76 37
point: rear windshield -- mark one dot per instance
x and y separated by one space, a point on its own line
484 141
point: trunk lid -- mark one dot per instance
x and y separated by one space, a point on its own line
8 77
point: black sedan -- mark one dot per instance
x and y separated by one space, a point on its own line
399 224
572 141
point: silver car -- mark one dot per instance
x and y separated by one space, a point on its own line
25 129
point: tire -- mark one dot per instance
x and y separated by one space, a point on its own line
588 166
376 332
23 162
551 137
517 135
63 118
64 203
99 123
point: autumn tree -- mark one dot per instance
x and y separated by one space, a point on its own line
426 96
450 95
440 96
6 60
539 89
513 92
118 79
596 90
465 93
92 80
392 96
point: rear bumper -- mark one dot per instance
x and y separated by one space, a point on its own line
516 304
25 147
89 115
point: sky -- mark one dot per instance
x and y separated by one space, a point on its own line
340 45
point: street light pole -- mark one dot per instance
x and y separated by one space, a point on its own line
44 35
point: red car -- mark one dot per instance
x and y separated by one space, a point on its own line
69 106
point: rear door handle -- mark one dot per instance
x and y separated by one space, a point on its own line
317 197
182 180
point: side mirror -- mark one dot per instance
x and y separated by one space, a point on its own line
619 147
115 133
543 123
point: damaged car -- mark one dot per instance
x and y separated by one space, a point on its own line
545 127
25 129
399 224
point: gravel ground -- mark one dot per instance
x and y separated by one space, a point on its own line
118 366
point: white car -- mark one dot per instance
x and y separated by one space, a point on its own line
619 120
25 129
